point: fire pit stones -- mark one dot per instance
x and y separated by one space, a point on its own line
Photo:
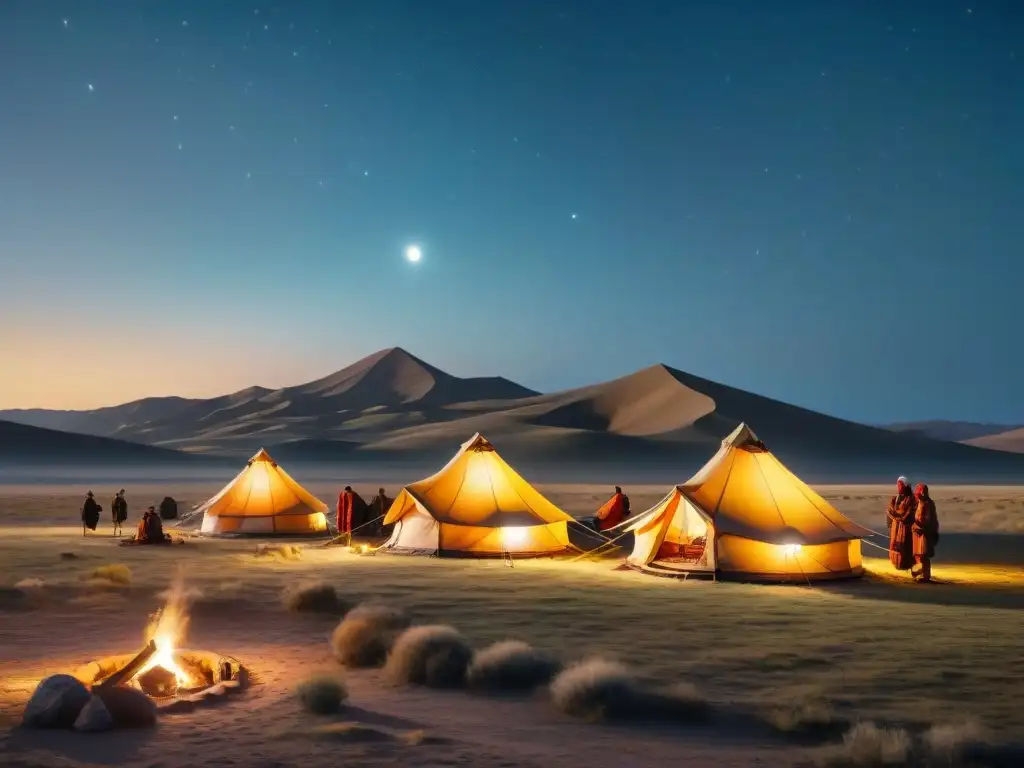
215 676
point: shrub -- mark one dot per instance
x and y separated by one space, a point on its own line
322 694
115 573
511 666
312 597
366 634
435 656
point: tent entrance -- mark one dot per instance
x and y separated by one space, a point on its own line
689 543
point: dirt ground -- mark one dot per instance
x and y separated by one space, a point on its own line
881 648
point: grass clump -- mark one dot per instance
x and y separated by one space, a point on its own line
115 573
511 665
435 656
366 634
810 720
322 694
867 745
312 597
282 552
596 690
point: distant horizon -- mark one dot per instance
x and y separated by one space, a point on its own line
220 393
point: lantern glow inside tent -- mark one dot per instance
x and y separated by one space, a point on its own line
475 506
745 514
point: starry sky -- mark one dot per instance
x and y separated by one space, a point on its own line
822 202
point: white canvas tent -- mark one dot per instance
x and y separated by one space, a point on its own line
745 514
263 499
476 506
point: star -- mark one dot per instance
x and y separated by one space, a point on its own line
295 53
757 252
266 26
184 23
175 118
91 89
179 145
366 173
573 216
65 23
248 175
231 127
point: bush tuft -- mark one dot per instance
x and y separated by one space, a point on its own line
322 694
511 666
115 573
366 634
435 656
867 745
596 689
312 597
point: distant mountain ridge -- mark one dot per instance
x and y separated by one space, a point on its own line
999 437
392 405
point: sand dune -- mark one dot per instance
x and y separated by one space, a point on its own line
394 406
1013 440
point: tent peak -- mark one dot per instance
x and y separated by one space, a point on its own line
477 443
744 437
262 456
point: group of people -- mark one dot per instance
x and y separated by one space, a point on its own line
150 529
354 515
913 530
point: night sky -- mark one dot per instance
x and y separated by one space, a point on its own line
822 202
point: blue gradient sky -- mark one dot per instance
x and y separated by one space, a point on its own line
820 202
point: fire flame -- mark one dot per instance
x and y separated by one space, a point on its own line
167 629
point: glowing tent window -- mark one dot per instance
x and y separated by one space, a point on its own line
514 537
791 550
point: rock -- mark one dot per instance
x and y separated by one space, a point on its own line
94 717
55 703
129 708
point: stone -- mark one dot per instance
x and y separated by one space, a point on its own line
129 708
55 703
94 717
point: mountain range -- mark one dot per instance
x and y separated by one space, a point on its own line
394 407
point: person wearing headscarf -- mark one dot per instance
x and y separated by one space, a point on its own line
900 518
90 513
346 510
119 511
925 530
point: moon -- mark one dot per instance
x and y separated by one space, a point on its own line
413 254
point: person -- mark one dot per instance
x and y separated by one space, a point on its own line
613 511
151 528
119 512
90 513
925 531
345 508
379 507
900 518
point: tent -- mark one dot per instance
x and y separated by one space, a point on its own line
744 514
476 506
263 499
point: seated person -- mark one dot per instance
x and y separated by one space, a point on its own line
151 529
612 512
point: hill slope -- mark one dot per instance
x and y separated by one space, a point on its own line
1011 440
956 431
24 445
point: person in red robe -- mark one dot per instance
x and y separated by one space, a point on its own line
900 517
613 512
346 506
925 530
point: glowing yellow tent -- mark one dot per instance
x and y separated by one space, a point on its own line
263 499
476 506
744 514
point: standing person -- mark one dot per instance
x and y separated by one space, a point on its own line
119 512
925 532
346 505
90 513
379 507
900 518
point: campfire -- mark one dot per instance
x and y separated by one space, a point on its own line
163 670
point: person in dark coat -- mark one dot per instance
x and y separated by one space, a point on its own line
351 511
90 513
925 530
900 518
119 511
379 507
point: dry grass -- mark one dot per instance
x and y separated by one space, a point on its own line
115 573
753 645
279 552
596 689
366 634
322 694
312 597
436 656
866 745
511 665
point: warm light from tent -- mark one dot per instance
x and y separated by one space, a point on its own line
791 549
513 537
